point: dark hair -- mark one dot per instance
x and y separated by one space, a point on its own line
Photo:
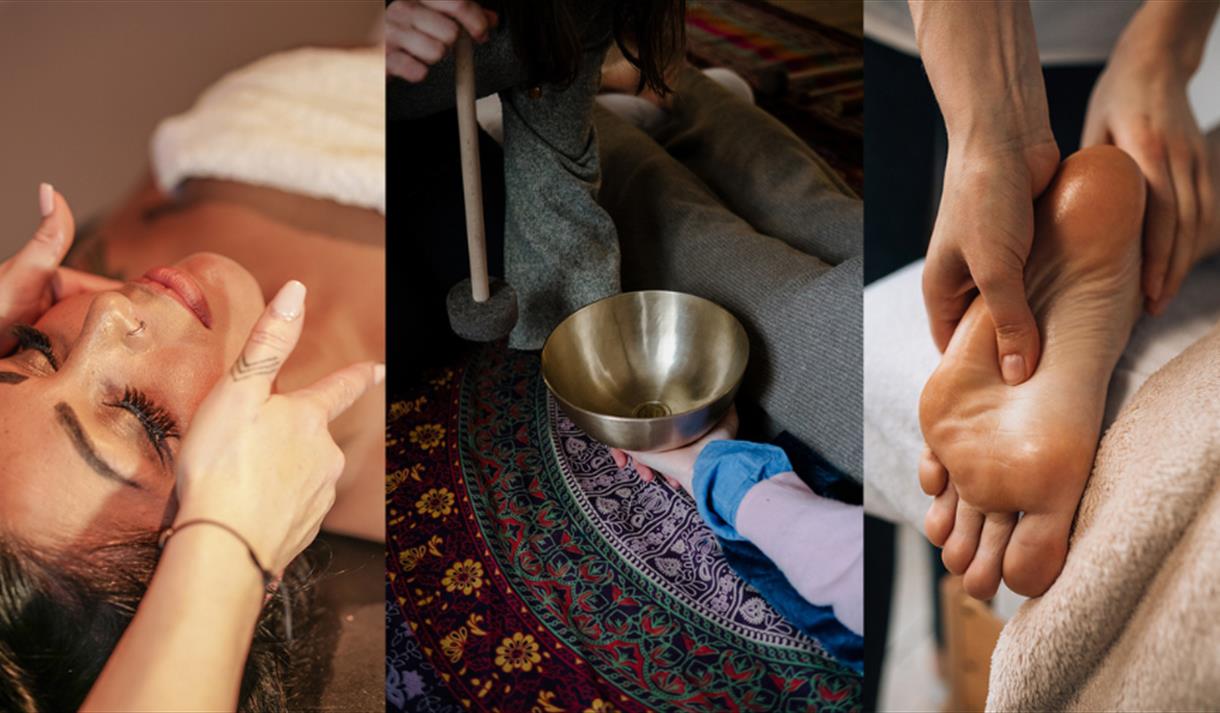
547 35
61 618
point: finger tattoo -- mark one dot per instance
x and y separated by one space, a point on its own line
244 368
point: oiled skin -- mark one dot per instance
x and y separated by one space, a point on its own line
1029 448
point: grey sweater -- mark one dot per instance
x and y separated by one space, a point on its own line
561 251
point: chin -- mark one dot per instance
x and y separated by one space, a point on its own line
232 292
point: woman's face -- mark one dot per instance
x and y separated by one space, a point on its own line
93 402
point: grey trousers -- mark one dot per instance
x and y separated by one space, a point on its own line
728 204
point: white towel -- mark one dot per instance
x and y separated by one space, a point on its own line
308 121
1132 622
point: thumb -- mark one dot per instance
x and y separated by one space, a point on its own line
1017 341
944 298
272 340
338 391
43 253
1095 129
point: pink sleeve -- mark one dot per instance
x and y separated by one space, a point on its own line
816 542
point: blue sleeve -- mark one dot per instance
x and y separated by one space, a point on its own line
724 472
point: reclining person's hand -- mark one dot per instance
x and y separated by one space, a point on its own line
265 464
32 280
419 33
677 466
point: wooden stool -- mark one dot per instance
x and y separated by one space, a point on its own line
971 632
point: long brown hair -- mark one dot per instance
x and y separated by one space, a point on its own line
60 619
549 35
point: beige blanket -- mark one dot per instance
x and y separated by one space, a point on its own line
1133 623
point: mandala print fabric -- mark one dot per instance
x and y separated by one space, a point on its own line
529 573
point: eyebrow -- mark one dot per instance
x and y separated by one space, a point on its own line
72 426
12 377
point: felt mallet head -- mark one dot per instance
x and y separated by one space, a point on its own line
482 321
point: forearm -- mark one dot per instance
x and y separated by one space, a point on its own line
982 61
1175 30
816 542
186 647
747 491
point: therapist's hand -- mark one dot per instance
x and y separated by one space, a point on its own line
983 234
1140 105
265 464
419 33
32 280
982 63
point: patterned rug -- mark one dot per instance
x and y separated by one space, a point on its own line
528 573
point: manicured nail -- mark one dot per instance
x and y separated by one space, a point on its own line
378 373
46 199
1012 367
289 301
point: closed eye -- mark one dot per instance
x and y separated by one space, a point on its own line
29 338
157 423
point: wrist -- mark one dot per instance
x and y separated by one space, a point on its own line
219 536
994 133
217 562
1167 37
978 165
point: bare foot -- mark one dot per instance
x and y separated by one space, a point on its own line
996 450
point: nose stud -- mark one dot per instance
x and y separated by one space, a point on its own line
138 330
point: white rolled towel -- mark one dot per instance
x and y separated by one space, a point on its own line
308 121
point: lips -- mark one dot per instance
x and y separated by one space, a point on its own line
182 287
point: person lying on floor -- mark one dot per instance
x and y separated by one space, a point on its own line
104 388
748 492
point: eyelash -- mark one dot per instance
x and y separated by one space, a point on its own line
31 338
157 422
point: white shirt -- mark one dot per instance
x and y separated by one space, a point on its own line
1067 32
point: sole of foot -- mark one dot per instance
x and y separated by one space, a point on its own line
1029 448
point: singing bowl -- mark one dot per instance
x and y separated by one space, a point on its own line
646 371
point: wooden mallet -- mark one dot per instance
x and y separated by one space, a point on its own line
480 309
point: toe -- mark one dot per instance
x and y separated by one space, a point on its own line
932 474
938 522
982 578
1036 552
964 540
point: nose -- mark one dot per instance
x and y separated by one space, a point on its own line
110 324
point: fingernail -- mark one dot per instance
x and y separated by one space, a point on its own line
1012 367
289 301
46 199
1154 287
378 373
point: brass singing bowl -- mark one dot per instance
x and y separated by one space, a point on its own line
646 371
